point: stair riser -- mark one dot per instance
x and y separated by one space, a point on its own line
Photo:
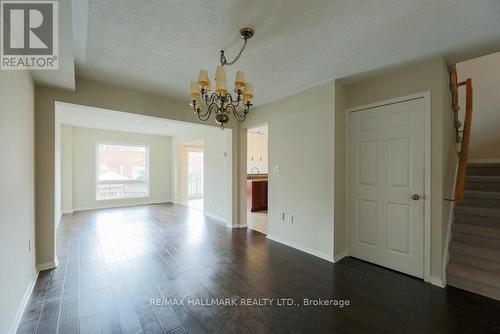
482 202
476 240
484 253
475 262
483 186
489 171
477 220
491 232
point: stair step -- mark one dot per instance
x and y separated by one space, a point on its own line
477 220
482 183
481 203
483 277
475 251
477 230
483 169
477 211
480 289
475 262
482 194
476 240
483 165
482 199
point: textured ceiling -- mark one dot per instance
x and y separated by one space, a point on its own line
160 45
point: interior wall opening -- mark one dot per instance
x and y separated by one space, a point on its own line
257 186
190 164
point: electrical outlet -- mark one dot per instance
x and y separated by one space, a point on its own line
282 216
290 219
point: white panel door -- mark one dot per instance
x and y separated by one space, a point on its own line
386 168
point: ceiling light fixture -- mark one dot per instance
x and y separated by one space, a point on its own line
221 102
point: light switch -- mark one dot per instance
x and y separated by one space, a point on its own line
282 216
290 219
276 169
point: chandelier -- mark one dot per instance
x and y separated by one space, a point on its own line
221 102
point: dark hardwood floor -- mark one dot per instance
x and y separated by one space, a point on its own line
113 262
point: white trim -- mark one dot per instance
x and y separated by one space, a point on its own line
427 172
436 281
111 206
484 161
324 256
22 305
58 219
340 256
67 212
216 217
47 265
446 255
451 218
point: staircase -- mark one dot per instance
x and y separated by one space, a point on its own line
475 247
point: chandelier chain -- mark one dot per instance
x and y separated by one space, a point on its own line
223 60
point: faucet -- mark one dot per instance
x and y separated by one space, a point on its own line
251 171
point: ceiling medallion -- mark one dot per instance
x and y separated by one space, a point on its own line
221 102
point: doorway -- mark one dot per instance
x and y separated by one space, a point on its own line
257 178
388 175
191 166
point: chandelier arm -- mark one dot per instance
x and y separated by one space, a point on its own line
234 102
210 99
239 115
202 115
205 115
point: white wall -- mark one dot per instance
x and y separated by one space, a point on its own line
301 143
257 150
485 75
84 142
217 177
67 169
17 194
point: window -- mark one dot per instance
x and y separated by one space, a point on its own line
122 171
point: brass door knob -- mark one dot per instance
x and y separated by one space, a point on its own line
415 197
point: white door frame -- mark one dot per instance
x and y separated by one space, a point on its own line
427 170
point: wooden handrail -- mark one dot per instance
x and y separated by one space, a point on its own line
464 150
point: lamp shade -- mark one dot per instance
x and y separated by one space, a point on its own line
194 91
239 81
221 87
220 73
203 78
208 87
248 91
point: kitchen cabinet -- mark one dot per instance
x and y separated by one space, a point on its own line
256 195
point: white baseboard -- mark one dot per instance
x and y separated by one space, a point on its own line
47 266
446 255
484 161
22 306
339 256
215 217
302 248
437 281
111 206
67 212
